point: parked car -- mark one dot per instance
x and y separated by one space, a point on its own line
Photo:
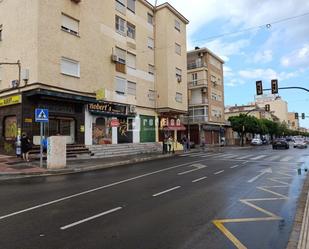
256 141
280 143
300 143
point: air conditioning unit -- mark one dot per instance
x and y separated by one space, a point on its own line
114 58
15 83
132 109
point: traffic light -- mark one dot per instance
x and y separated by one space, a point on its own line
259 87
296 115
267 108
303 116
274 86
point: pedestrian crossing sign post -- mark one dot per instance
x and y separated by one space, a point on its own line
41 116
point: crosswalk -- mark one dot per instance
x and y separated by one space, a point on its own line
249 157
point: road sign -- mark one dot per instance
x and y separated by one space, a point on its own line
114 123
41 115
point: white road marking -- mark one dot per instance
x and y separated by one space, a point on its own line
235 166
229 156
285 159
199 154
301 160
219 172
263 172
90 218
212 155
165 191
94 190
246 156
273 158
199 179
197 166
258 157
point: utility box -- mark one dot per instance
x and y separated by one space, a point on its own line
56 152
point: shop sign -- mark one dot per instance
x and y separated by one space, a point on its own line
114 123
82 128
28 120
170 122
107 108
12 100
100 94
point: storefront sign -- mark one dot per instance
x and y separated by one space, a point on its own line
82 128
100 94
170 122
107 108
28 120
114 123
12 100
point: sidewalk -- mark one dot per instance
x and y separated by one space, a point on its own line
13 168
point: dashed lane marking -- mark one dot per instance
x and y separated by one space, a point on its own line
200 179
258 157
90 218
235 166
166 191
219 172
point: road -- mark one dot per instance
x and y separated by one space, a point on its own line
234 198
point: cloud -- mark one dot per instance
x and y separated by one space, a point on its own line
266 74
298 58
263 56
228 72
234 82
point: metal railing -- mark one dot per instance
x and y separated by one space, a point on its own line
198 83
194 119
193 65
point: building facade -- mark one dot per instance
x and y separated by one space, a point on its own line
293 123
107 70
278 106
205 120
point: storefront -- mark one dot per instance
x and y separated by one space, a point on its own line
100 125
171 126
147 129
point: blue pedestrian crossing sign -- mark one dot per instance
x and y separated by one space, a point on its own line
41 115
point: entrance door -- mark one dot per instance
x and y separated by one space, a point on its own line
62 126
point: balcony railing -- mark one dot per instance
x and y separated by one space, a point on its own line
198 83
195 102
193 65
194 119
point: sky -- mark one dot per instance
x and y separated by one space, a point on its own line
258 40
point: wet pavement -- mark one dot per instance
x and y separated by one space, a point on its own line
221 199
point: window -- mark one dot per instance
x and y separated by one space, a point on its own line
121 6
131 5
130 30
70 25
216 96
177 25
178 74
151 95
150 18
150 43
216 113
194 79
132 88
131 60
177 49
120 25
178 97
10 128
120 85
70 67
1 32
151 69
121 54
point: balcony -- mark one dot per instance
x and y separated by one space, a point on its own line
195 102
198 83
196 64
194 119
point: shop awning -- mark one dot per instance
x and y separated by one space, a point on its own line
175 128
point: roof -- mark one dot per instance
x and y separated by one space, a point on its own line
206 50
172 9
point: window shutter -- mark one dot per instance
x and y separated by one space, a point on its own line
70 23
120 85
131 60
70 67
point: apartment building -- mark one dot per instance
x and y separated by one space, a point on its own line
293 123
108 70
278 106
205 96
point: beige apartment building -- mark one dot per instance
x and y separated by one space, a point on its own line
108 71
278 106
293 123
205 96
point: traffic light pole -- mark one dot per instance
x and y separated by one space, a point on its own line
289 87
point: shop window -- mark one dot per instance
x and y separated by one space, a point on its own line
10 128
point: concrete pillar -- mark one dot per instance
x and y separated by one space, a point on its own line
56 152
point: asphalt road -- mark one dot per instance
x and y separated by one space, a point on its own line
235 198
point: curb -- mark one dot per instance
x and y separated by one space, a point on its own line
66 171
297 234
